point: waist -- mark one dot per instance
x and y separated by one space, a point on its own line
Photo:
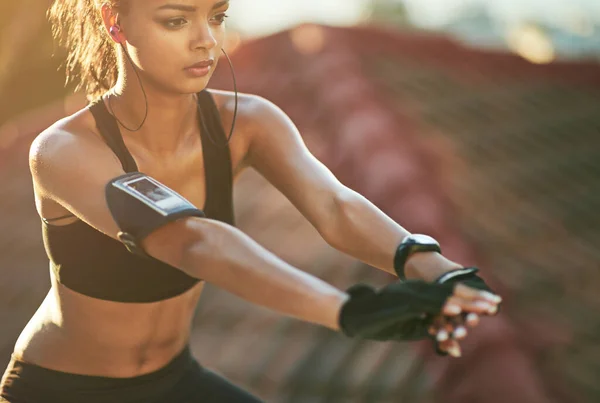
92 360
76 334
39 383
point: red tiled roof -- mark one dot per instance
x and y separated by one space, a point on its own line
401 119
382 144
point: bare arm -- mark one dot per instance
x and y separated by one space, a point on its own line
228 258
345 219
73 170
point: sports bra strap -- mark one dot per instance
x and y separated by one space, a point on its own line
217 156
109 130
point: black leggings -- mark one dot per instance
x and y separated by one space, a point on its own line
183 380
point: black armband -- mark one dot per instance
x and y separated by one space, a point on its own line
140 205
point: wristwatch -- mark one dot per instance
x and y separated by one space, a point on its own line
411 244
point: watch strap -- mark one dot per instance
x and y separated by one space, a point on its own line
406 249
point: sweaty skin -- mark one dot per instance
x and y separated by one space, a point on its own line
75 333
70 164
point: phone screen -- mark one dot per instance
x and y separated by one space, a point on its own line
149 189
154 195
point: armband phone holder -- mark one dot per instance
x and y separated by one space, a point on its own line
140 204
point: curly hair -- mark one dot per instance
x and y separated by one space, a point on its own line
91 62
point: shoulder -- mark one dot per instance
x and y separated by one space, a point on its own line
73 132
69 143
252 110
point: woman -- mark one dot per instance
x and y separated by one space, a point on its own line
115 326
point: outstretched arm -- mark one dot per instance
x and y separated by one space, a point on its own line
73 170
345 219
226 257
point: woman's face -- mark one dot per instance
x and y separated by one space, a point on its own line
175 43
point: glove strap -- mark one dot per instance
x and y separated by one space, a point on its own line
456 275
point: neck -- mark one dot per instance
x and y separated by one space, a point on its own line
169 117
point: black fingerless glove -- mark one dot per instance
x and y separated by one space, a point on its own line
398 311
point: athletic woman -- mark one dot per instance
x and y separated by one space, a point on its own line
115 324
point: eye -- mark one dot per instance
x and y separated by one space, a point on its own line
220 18
175 23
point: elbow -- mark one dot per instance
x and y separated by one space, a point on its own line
207 248
201 244
180 243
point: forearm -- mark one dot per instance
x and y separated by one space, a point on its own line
234 262
357 227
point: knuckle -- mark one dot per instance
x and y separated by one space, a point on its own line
461 289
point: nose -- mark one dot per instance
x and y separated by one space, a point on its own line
204 38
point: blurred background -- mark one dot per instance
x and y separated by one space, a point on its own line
475 121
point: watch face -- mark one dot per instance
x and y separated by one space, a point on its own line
422 239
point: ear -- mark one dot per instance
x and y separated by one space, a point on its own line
115 33
111 24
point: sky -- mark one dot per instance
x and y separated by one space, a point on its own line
434 12
261 17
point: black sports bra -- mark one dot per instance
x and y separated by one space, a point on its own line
94 264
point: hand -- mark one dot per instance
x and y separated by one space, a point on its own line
400 311
461 311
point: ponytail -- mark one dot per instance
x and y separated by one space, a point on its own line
91 62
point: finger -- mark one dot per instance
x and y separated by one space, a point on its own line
437 323
453 327
442 333
451 308
467 292
444 328
459 330
459 333
451 347
472 319
454 349
477 306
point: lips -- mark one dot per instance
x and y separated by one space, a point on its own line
202 64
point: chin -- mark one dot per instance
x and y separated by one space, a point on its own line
184 88
181 85
194 85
